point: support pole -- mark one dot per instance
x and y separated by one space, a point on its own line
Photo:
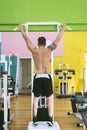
85 74
5 100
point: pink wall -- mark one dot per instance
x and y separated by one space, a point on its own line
12 42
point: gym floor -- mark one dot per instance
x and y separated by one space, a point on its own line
21 110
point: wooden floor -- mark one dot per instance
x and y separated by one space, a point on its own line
21 108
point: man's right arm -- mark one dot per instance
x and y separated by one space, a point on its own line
29 44
59 36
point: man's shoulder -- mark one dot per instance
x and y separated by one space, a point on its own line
44 50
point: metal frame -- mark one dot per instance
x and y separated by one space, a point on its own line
4 77
42 23
5 101
32 62
32 72
85 73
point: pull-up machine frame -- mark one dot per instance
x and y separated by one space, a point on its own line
57 24
30 127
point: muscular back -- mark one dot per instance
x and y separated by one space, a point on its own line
41 58
41 55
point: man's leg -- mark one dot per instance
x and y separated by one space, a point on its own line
50 109
35 107
50 105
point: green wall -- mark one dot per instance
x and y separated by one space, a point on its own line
72 12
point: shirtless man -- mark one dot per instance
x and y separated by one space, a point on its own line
42 84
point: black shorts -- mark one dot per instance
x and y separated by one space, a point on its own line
42 85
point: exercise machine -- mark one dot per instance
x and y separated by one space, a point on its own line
42 117
42 123
64 75
13 73
42 110
5 115
84 118
42 114
79 105
84 111
4 104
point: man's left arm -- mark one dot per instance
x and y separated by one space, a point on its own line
56 41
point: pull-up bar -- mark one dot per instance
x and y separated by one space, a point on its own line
43 23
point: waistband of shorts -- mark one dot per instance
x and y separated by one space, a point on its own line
42 75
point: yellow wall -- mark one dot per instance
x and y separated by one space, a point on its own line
75 46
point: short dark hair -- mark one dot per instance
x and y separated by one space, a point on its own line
41 41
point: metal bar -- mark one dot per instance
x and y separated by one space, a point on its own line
42 23
5 100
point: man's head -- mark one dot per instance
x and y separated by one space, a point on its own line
41 41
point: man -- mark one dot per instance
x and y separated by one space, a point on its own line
42 84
